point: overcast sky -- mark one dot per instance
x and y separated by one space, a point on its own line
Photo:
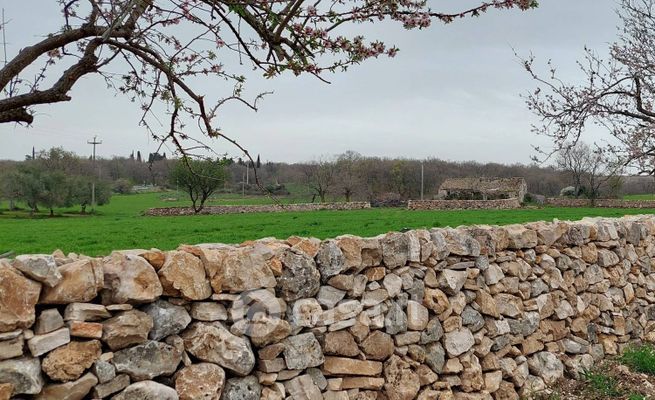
453 92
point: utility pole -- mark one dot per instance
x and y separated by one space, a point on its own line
421 179
94 142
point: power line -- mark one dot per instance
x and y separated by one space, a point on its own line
94 142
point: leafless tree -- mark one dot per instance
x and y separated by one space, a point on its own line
349 177
320 177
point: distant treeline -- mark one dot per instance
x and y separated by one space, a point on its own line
348 176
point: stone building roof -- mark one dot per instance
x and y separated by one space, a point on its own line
483 184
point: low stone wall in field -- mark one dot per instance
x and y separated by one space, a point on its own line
241 209
502 204
604 203
473 313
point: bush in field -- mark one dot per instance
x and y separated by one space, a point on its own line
199 178
80 188
123 186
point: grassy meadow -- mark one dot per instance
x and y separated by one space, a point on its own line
120 224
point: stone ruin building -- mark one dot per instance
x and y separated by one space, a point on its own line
482 188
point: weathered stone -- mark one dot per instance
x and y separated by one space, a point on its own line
607 258
147 361
236 270
23 373
147 390
433 332
302 351
208 311
183 274
300 277
130 279
86 312
18 297
155 257
493 274
395 249
168 319
396 320
350 366
374 297
89 330
378 346
329 296
200 381
39 267
452 281
340 343
520 237
546 366
41 344
436 300
393 283
104 370
472 319
400 383
11 344
508 305
48 321
303 388
458 342
113 386
331 260
69 362
247 388
211 342
76 390
459 243
417 316
307 313
81 280
126 329
6 391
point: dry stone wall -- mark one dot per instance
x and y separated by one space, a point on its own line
604 203
501 204
242 209
462 314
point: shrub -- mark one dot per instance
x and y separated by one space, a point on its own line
640 358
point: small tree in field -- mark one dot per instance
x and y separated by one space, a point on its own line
199 178
80 192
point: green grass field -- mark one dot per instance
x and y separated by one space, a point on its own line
120 225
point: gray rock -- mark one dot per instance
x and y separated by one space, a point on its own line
12 345
395 249
472 319
168 319
148 360
302 351
547 366
330 260
113 386
48 321
452 281
458 342
40 267
300 277
303 387
23 373
525 326
41 344
126 329
396 320
433 332
329 297
104 371
147 390
212 342
435 357
247 388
